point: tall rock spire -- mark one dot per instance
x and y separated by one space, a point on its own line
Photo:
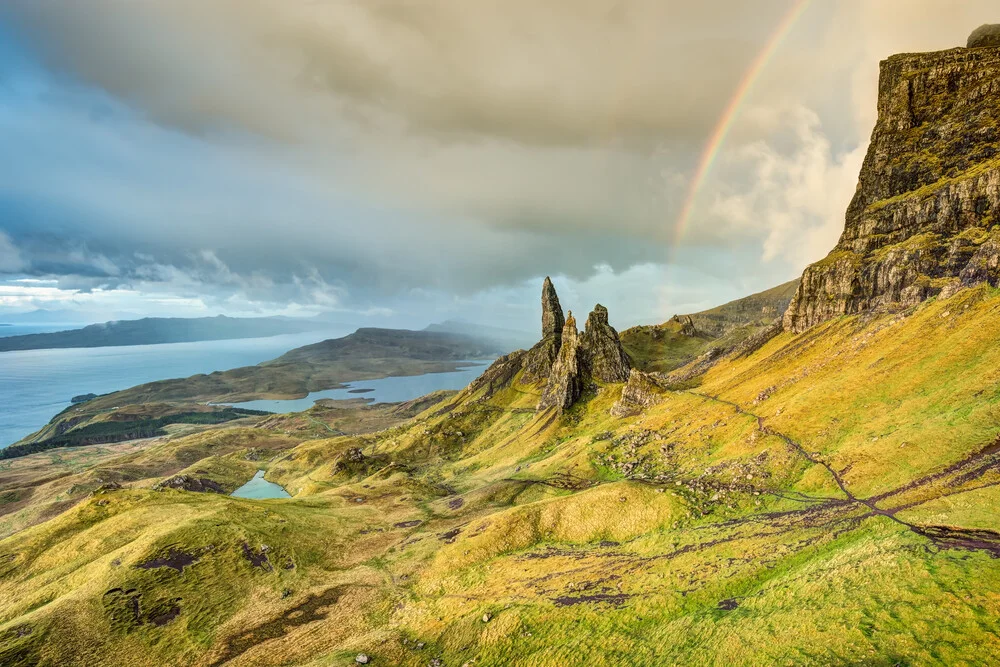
565 382
539 360
552 314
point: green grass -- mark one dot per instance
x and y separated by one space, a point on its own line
709 529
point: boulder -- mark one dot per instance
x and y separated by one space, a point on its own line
985 35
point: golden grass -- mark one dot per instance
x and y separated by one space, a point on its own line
693 533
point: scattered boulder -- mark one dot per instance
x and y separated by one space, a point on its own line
362 659
603 356
986 35
189 483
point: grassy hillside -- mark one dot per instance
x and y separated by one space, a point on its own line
757 309
668 346
826 499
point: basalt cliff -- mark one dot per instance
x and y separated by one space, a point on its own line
922 222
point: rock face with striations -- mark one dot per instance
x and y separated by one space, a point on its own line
565 383
540 358
921 221
600 349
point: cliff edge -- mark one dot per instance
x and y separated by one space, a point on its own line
922 221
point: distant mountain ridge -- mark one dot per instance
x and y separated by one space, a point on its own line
368 353
684 338
509 338
157 330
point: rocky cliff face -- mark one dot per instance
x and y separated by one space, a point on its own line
600 349
596 354
984 36
565 383
928 194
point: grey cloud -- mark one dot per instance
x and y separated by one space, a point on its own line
564 71
356 149
10 257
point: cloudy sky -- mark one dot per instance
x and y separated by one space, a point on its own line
408 161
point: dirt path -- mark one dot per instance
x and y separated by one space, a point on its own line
948 537
325 425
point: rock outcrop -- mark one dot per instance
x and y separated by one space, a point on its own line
601 350
597 354
987 35
984 265
500 373
928 192
189 483
565 383
552 315
642 391
566 360
687 324
540 358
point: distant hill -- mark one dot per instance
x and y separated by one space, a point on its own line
504 338
153 330
665 347
761 308
366 354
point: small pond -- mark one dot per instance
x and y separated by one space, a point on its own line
259 488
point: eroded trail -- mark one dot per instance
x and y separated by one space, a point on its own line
988 459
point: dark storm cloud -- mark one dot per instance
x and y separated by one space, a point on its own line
336 152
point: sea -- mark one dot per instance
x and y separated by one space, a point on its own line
37 384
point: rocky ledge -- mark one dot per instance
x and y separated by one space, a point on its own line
922 219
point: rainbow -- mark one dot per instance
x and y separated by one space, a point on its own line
721 130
